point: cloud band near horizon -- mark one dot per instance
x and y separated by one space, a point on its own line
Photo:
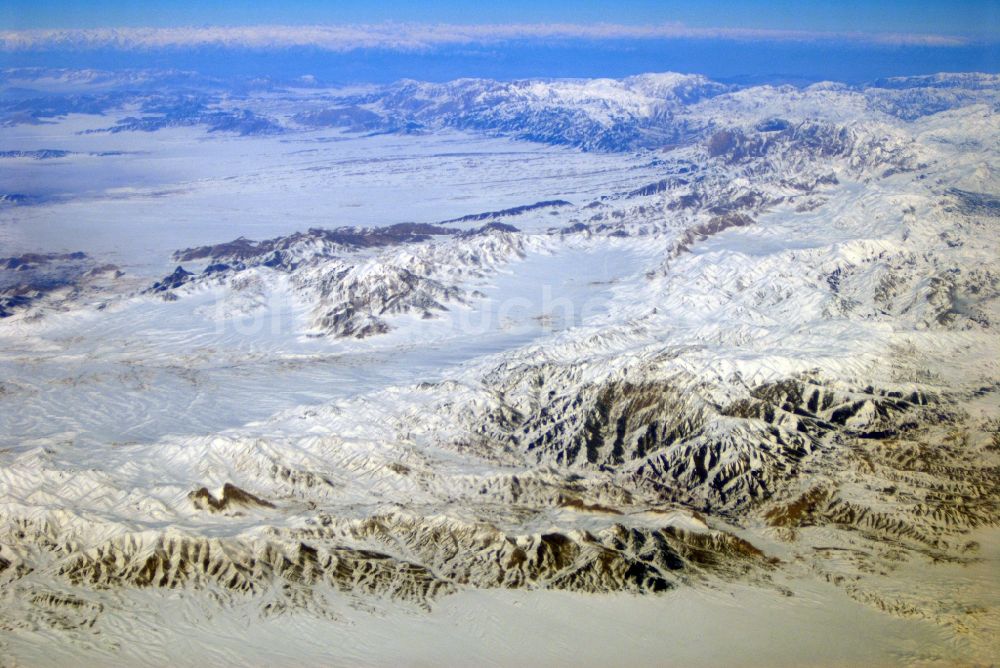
422 37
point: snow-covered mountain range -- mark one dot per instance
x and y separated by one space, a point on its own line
768 354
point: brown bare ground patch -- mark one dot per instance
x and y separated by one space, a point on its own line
799 511
579 504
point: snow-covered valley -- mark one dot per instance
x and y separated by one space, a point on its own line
651 370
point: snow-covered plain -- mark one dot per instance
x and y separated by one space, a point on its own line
166 183
651 371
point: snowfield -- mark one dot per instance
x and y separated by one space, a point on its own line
656 370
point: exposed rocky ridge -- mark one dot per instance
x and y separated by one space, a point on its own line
355 299
594 115
32 280
910 98
391 555
39 154
351 293
643 111
804 143
665 441
512 211
650 110
231 496
875 438
329 242
884 505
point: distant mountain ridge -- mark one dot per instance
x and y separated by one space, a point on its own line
607 115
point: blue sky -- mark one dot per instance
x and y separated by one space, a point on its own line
980 18
354 40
